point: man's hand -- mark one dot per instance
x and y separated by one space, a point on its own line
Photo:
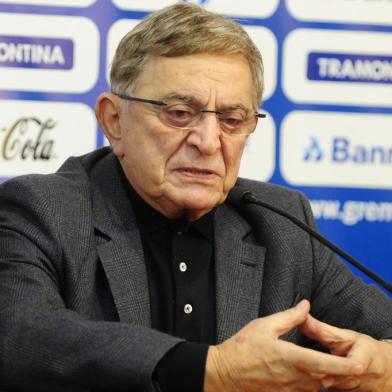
255 359
373 355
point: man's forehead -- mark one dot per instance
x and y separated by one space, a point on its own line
219 68
201 78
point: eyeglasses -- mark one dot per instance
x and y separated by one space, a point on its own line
180 115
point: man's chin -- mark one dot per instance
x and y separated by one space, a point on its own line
195 207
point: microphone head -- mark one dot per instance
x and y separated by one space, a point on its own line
238 195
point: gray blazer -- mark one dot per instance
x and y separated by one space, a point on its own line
74 301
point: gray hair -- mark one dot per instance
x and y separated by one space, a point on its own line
177 30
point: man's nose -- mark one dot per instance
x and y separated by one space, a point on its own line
206 133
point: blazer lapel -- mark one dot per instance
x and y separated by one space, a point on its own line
125 270
239 267
119 244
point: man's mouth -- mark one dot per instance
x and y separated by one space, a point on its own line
192 171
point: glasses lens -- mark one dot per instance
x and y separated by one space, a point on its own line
232 122
182 116
178 115
238 123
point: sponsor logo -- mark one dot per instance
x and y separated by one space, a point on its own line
347 11
48 53
338 67
236 8
342 150
31 52
350 68
314 151
54 3
337 149
36 137
351 212
29 138
261 36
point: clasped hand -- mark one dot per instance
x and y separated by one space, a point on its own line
255 359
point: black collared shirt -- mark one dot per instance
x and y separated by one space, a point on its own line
179 258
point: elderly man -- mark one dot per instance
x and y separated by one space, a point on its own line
128 270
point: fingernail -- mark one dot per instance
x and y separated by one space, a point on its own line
301 304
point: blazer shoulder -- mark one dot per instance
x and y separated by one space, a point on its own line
277 195
72 177
64 196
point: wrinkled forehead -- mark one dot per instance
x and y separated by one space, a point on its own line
199 77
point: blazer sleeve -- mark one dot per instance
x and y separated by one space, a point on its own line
340 298
44 345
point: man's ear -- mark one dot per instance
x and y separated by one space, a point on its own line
107 111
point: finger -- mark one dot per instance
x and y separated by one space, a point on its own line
332 337
363 352
312 361
283 322
344 383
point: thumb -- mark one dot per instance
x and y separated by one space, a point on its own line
287 320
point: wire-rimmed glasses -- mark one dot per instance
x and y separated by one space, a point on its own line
180 115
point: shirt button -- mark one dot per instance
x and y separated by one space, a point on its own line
183 267
188 309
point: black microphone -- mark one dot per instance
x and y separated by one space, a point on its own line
238 196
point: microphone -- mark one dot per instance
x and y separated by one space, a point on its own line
238 196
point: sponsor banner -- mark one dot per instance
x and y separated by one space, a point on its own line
353 68
258 160
264 39
338 67
263 9
352 212
58 3
350 150
36 137
48 53
347 11
29 52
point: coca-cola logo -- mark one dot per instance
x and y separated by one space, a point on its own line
29 138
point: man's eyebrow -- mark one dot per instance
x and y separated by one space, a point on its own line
235 106
193 100
190 99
